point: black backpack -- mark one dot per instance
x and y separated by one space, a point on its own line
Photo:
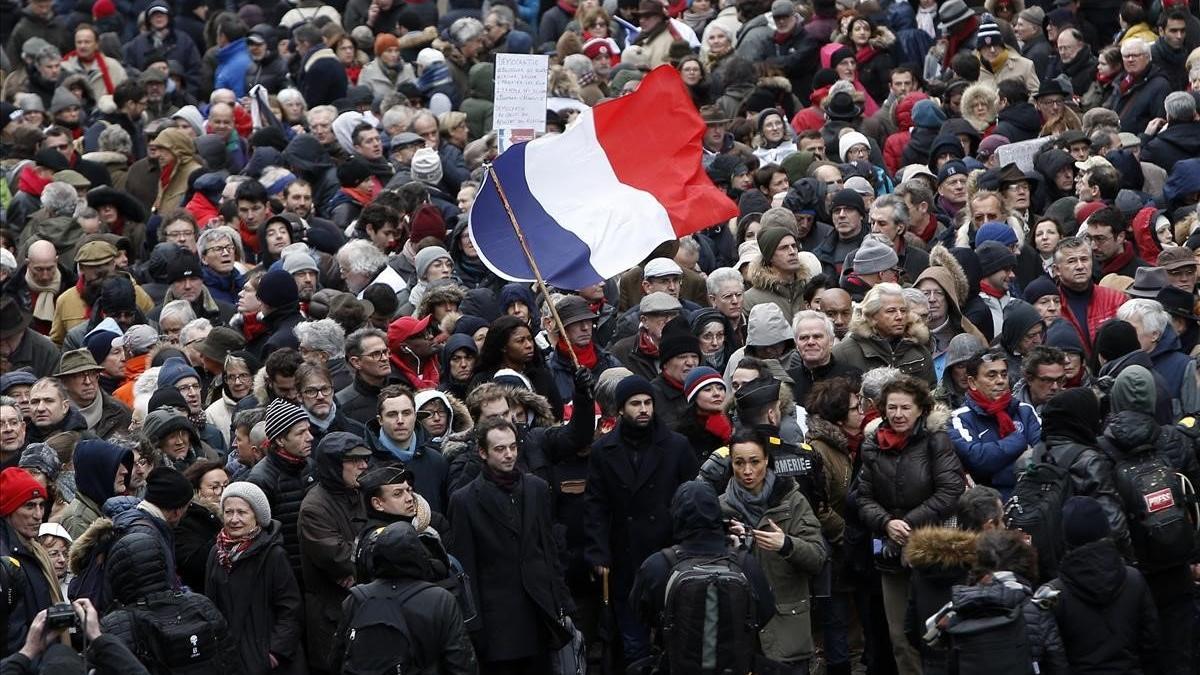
708 623
379 640
178 634
1035 506
986 640
1157 507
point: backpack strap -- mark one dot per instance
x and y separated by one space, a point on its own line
1071 454
672 554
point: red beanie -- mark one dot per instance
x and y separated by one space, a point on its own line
103 8
428 222
384 42
16 488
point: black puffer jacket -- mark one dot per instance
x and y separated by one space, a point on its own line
1004 591
440 640
135 572
919 484
940 558
1019 122
260 598
285 486
194 537
1105 613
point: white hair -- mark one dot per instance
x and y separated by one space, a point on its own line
290 95
213 236
721 276
178 309
325 335
874 380
465 29
115 139
59 199
812 315
915 297
192 327
1148 313
873 302
361 257
1135 46
322 110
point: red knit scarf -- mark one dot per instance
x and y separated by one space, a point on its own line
865 54
997 408
586 355
646 344
1128 81
228 548
888 440
252 326
289 458
991 290
930 229
955 41
101 64
782 38
360 197
717 424
568 9
1118 261
164 176
1106 78
672 382
32 183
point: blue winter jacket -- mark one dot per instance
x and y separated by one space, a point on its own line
233 60
1170 361
989 459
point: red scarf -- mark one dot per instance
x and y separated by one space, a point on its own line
568 9
991 290
955 42
87 307
227 547
31 183
646 344
164 176
1128 81
252 326
888 440
101 64
781 38
930 229
587 355
289 458
117 226
352 73
1106 79
717 424
596 306
854 444
672 382
249 237
997 408
364 197
1118 261
865 54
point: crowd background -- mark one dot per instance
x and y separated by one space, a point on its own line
253 365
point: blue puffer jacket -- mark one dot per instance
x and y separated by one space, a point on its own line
233 60
1170 361
989 459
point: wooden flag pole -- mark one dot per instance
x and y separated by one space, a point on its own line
537 274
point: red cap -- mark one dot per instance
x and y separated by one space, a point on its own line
1084 210
596 47
405 327
16 488
103 8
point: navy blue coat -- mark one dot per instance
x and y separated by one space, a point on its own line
988 458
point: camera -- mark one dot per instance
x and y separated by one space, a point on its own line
745 541
61 616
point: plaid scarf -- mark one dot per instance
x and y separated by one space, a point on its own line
230 550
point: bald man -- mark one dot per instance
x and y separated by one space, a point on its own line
835 304
39 283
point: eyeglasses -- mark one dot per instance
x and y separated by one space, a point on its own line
1098 238
1060 381
312 392
933 293
380 355
238 377
185 388
226 248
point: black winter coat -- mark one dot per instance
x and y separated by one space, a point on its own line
261 601
33 592
919 484
194 538
504 543
1019 122
1142 102
1092 475
359 402
629 509
940 558
285 486
107 655
281 332
1105 613
1179 141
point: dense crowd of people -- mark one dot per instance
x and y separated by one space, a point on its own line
928 404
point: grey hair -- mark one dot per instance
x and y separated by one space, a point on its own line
116 139
899 208
60 199
688 243
8 263
179 309
1138 44
325 335
812 315
212 237
56 384
354 341
464 30
289 94
915 191
1180 107
321 109
874 380
504 15
913 296
397 116
1147 312
719 277
10 402
193 326
361 257
47 53
873 302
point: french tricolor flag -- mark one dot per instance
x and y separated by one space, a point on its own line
594 201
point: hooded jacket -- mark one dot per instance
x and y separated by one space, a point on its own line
96 464
331 516
481 92
767 286
261 599
893 148
448 384
940 558
947 273
1019 318
440 641
170 196
1018 121
1105 612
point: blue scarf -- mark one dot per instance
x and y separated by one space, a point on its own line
323 423
434 75
403 454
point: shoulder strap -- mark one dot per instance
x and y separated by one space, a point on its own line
1072 454
672 554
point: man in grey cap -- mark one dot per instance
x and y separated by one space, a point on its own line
873 263
302 266
639 352
658 275
403 146
579 324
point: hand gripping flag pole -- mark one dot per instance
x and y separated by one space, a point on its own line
533 266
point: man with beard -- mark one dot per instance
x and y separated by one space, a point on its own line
51 411
80 375
322 234
303 269
96 261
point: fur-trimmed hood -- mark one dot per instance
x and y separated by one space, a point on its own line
775 82
99 536
107 157
915 330
945 269
941 547
824 431
534 402
764 280
980 91
439 294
